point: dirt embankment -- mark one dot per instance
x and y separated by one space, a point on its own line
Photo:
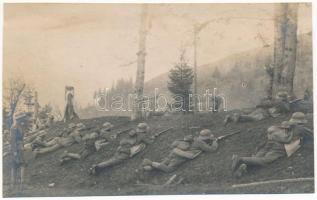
209 173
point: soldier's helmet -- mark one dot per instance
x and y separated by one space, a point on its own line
107 126
80 126
94 135
298 118
205 134
142 128
282 95
71 125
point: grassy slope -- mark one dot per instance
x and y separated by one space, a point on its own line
209 173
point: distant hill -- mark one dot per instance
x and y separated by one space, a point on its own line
242 79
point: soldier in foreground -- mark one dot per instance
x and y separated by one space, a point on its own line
123 152
281 141
16 152
183 151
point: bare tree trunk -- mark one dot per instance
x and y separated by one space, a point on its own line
279 44
285 45
139 83
289 61
14 102
195 102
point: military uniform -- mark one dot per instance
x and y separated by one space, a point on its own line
282 141
123 152
272 150
59 142
16 152
267 108
183 151
173 160
92 143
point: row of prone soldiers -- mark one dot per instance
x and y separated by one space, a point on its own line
282 141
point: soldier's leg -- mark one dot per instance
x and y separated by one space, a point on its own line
115 160
261 161
99 144
40 143
246 118
23 175
112 161
168 166
161 166
53 142
261 152
67 156
85 153
47 149
13 176
74 156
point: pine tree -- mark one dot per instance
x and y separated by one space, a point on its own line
181 78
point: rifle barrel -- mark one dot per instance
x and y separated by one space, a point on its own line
228 135
159 133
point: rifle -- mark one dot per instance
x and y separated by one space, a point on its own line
123 131
295 101
159 133
227 135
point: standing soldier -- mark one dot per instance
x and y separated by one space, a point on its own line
17 160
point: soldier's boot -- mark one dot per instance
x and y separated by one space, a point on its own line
64 154
94 170
147 165
146 162
64 158
242 170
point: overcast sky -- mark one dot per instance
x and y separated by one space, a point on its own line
91 45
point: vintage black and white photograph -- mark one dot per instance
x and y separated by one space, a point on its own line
122 99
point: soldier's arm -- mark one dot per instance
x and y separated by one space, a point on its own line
265 104
175 143
147 140
208 148
184 154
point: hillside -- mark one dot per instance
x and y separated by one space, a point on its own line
243 77
209 173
